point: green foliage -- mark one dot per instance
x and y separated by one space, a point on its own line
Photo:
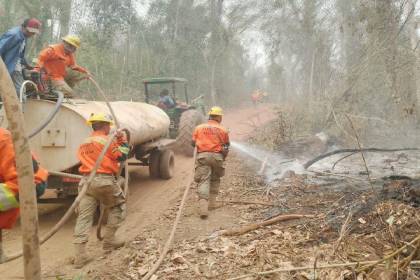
121 47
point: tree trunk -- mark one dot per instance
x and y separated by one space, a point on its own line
213 92
27 194
414 40
65 14
216 11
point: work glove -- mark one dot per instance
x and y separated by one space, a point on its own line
35 75
40 189
29 67
123 135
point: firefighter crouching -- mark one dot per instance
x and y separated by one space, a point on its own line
59 63
212 142
104 188
9 188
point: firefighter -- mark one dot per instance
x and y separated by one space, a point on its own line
13 46
9 189
60 67
104 188
212 142
255 97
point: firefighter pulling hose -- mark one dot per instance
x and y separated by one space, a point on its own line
104 188
57 62
76 202
102 123
104 211
82 192
211 147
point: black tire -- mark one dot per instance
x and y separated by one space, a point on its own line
154 164
189 120
167 164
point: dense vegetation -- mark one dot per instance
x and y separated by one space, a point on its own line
337 58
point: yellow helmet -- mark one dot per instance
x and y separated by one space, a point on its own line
100 117
216 111
72 40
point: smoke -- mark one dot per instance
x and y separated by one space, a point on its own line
273 166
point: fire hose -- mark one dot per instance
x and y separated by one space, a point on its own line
76 202
104 211
51 115
23 87
340 151
168 243
81 193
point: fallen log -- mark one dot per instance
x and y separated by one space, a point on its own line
254 226
341 151
343 158
247 202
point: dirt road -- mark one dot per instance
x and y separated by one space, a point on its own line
149 199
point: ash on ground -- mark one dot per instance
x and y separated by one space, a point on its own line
356 218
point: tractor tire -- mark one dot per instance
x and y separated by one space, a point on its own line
167 164
154 164
189 120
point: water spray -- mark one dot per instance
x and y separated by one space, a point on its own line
274 166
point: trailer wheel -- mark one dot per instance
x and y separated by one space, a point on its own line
154 164
167 164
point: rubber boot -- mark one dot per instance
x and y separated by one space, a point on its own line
203 205
110 241
81 258
213 204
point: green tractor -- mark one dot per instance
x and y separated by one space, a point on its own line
185 114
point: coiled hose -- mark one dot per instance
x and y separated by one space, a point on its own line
51 115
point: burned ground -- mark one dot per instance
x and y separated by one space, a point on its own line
354 220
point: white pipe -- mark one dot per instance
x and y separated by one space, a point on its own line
23 87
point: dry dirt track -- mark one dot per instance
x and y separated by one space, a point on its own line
148 199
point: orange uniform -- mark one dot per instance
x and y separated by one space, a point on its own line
41 175
90 150
9 206
54 60
210 137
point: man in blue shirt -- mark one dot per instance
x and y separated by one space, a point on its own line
13 46
165 101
